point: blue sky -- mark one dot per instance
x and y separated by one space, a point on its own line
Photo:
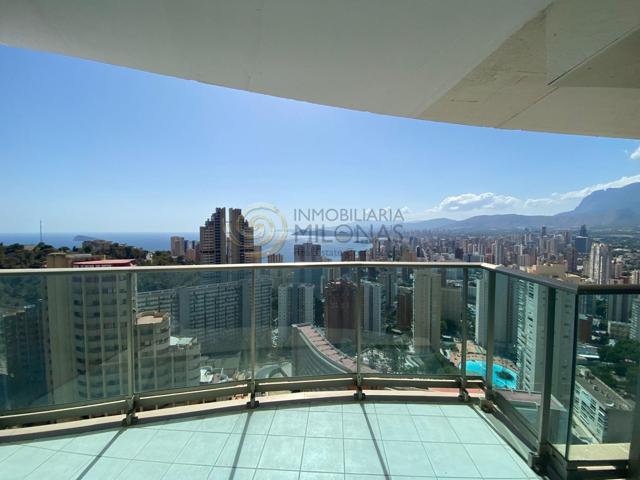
88 147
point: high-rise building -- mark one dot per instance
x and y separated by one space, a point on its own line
451 304
599 263
177 246
404 313
605 414
275 258
216 314
498 252
295 305
372 306
340 311
307 252
504 330
86 321
23 378
583 244
163 361
531 301
348 256
634 320
635 276
583 231
192 250
389 279
427 310
618 308
213 238
531 304
241 245
572 259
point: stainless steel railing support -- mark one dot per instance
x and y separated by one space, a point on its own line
132 398
359 395
539 460
253 403
463 394
491 325
634 448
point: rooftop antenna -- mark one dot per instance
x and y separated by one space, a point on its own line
40 230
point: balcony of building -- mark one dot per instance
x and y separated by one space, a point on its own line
445 370
490 369
302 438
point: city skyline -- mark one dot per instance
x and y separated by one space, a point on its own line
181 136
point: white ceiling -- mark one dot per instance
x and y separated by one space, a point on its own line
481 62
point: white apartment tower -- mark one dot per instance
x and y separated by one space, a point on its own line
427 310
372 306
600 263
295 305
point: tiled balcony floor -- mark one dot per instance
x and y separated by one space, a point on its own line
323 441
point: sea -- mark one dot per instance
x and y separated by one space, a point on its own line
332 247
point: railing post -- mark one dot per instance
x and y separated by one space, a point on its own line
572 391
545 404
463 394
253 403
491 325
359 395
634 448
132 399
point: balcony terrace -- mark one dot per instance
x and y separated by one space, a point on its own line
328 439
487 381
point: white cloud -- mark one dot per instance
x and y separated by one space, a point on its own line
476 201
467 204
539 202
579 194
636 154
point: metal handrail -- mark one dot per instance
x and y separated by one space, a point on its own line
355 379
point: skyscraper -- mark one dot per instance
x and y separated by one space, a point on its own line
163 361
634 319
213 238
572 259
404 313
295 305
307 252
388 277
503 328
498 252
372 306
241 244
22 358
275 258
340 311
583 231
427 310
348 256
599 263
583 244
87 353
177 246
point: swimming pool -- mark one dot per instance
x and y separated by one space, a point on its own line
478 367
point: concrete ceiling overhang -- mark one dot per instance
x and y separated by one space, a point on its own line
567 66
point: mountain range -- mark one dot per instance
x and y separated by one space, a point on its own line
613 207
